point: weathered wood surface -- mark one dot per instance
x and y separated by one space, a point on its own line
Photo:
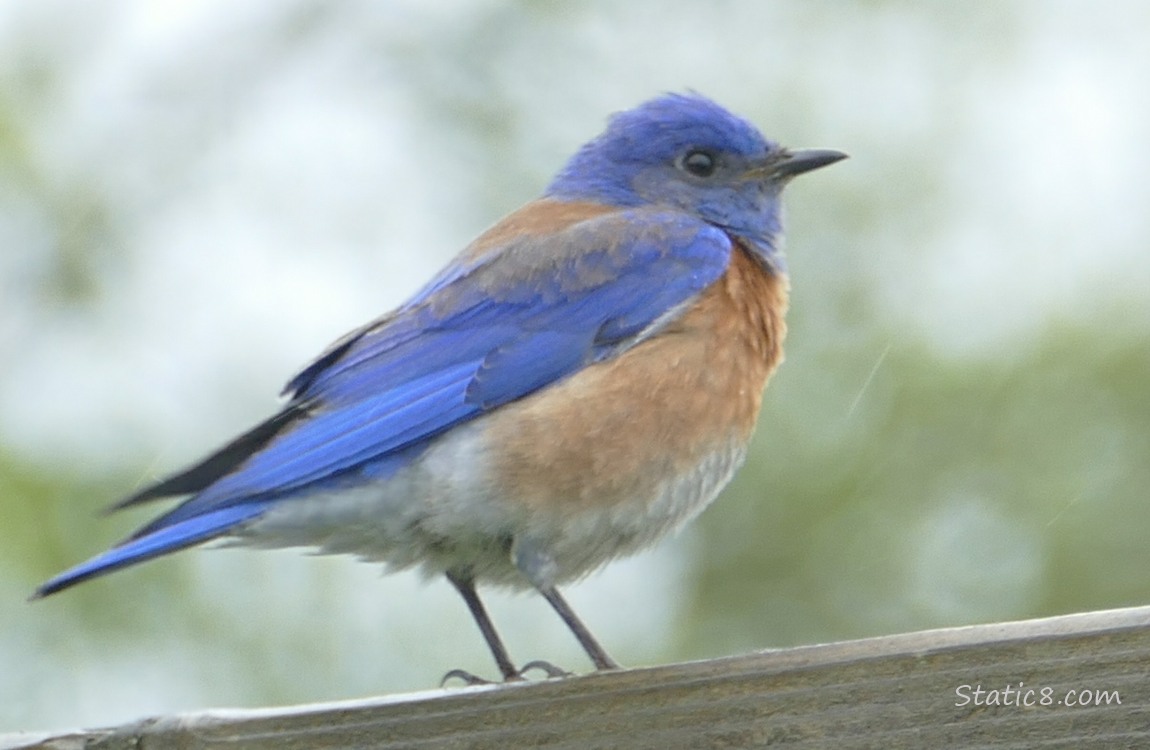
890 692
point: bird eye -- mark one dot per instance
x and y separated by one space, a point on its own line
699 163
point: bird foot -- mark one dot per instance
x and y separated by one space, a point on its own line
467 678
546 667
464 676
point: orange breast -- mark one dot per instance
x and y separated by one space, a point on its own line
613 432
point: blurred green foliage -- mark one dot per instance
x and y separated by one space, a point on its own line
945 492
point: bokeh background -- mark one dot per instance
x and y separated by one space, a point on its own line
197 196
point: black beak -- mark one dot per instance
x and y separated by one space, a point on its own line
787 164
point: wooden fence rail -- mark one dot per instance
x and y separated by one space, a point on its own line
1064 682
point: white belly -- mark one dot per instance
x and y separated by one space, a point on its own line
443 512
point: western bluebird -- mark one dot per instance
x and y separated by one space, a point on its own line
582 379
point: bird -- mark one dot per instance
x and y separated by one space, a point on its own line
580 380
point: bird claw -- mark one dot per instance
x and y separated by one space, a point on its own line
469 679
466 677
546 667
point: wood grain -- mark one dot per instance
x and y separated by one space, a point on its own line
891 692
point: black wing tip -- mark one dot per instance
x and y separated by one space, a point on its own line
203 474
135 499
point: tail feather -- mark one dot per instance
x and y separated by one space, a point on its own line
186 533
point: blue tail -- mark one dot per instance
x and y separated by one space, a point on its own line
186 533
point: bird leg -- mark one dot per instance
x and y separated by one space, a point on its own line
465 585
596 652
535 562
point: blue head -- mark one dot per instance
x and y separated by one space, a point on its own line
688 153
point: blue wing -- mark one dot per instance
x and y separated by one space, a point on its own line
527 314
